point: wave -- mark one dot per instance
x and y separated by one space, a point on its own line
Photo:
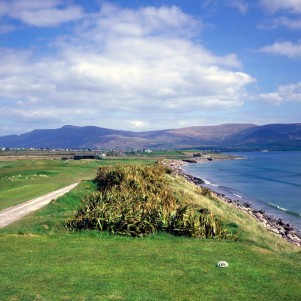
285 210
237 195
209 183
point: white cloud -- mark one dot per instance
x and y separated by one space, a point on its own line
286 22
285 93
292 6
207 3
137 124
127 63
7 28
49 17
287 14
40 13
286 48
241 5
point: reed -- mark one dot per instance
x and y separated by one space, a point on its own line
136 200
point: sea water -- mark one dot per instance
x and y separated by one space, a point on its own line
270 181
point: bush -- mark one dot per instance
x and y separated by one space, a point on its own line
136 201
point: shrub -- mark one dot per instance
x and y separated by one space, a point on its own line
136 201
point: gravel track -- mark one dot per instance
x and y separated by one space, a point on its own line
15 213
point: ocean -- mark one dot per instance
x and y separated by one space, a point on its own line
270 181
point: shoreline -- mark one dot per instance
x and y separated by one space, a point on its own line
273 224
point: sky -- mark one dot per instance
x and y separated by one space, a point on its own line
149 64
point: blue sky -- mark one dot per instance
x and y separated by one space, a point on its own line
145 65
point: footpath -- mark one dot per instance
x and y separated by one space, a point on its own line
12 214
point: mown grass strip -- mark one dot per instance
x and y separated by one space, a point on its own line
53 217
98 267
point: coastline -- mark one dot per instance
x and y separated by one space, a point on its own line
275 225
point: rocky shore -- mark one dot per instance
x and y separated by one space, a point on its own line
277 226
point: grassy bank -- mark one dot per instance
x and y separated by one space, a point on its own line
41 260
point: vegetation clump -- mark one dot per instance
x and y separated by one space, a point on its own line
136 200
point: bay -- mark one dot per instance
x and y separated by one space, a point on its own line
270 181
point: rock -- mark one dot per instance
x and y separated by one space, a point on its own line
288 228
282 232
294 238
190 161
275 225
222 264
274 231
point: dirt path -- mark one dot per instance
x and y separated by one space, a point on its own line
12 214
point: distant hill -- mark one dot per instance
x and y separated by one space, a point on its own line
274 136
225 136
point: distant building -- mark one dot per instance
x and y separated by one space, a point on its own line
82 157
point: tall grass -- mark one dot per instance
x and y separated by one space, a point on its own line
243 226
136 200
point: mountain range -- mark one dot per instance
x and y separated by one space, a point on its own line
225 136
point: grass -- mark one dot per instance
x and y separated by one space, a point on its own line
136 200
99 267
52 218
239 222
40 260
167 154
22 180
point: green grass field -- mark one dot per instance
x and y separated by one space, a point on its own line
98 267
22 180
41 260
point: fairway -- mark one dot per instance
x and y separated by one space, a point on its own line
25 179
101 267
22 180
17 212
